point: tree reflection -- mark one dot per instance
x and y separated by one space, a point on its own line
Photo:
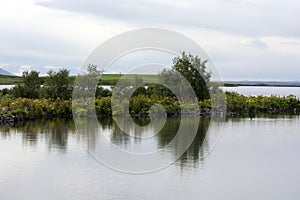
192 155
196 151
198 146
53 132
55 135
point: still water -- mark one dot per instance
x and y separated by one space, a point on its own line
264 91
254 159
6 87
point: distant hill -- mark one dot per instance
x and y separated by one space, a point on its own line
6 73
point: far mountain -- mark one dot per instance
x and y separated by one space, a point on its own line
6 73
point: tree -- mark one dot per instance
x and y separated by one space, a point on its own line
92 69
193 70
138 86
30 87
57 85
101 92
87 84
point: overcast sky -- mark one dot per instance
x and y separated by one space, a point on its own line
246 39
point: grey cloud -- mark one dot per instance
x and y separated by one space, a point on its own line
266 67
38 50
13 63
239 18
39 43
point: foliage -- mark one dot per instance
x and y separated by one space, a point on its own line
57 85
101 92
261 104
29 99
194 70
30 87
138 85
141 104
185 69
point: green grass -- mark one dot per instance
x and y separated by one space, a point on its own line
108 79
146 77
112 79
9 80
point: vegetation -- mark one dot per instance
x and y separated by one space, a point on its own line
25 108
30 88
194 71
51 96
10 80
240 104
185 69
57 85
106 79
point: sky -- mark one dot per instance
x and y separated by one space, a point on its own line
245 39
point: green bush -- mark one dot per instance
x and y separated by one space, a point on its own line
141 104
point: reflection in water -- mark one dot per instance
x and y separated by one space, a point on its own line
133 140
55 133
198 147
260 155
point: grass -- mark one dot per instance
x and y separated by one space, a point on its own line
108 79
10 80
149 78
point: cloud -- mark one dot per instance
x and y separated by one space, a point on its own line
256 43
38 46
23 68
241 36
50 67
3 65
253 18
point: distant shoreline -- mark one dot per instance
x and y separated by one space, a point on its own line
262 83
111 79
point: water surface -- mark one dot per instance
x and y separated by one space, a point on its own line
6 87
254 159
264 91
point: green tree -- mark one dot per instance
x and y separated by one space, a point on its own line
101 92
57 85
138 85
92 69
87 84
30 87
193 70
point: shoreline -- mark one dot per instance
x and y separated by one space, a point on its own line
23 109
16 120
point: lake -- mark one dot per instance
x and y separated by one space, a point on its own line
245 90
253 159
265 91
6 87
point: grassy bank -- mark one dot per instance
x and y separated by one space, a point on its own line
106 79
10 80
